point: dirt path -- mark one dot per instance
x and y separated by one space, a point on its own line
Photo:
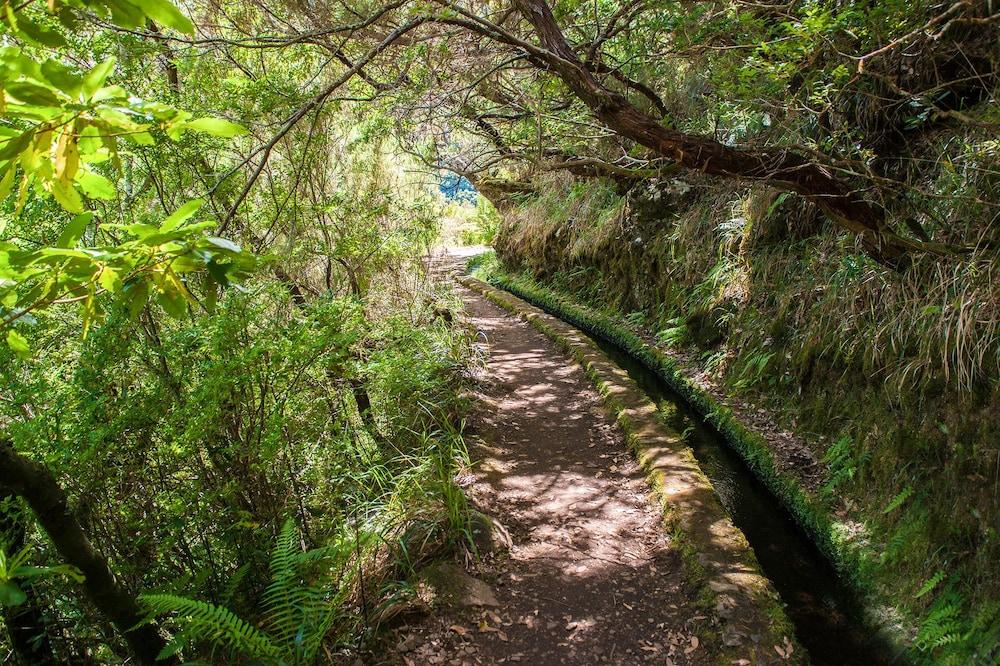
590 576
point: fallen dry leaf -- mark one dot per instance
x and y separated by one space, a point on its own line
459 629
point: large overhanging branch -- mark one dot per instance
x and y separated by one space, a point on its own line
315 102
780 167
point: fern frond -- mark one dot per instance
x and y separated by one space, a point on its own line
898 500
284 599
931 583
942 625
214 624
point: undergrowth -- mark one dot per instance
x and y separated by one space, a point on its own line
261 403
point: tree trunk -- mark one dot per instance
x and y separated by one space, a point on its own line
36 485
777 166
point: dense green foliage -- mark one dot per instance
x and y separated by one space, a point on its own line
195 422
220 340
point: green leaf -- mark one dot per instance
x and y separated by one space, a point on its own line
18 344
95 185
6 183
67 196
125 13
181 215
223 243
31 93
96 77
14 146
110 280
167 14
898 500
137 230
930 584
110 93
218 272
90 142
137 294
216 127
74 230
173 303
140 138
11 594
61 76
37 33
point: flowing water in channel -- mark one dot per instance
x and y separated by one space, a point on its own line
826 613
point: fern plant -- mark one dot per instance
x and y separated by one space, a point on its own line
942 625
297 615
675 334
841 464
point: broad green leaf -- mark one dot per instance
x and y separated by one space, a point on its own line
136 293
110 280
211 297
96 77
67 196
18 344
74 230
61 76
67 156
140 138
125 13
95 185
218 272
167 14
110 93
46 254
138 230
36 32
90 143
31 93
6 183
173 303
216 127
181 215
223 243
58 570
10 593
90 310
14 146
22 193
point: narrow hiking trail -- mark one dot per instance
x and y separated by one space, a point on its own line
590 576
